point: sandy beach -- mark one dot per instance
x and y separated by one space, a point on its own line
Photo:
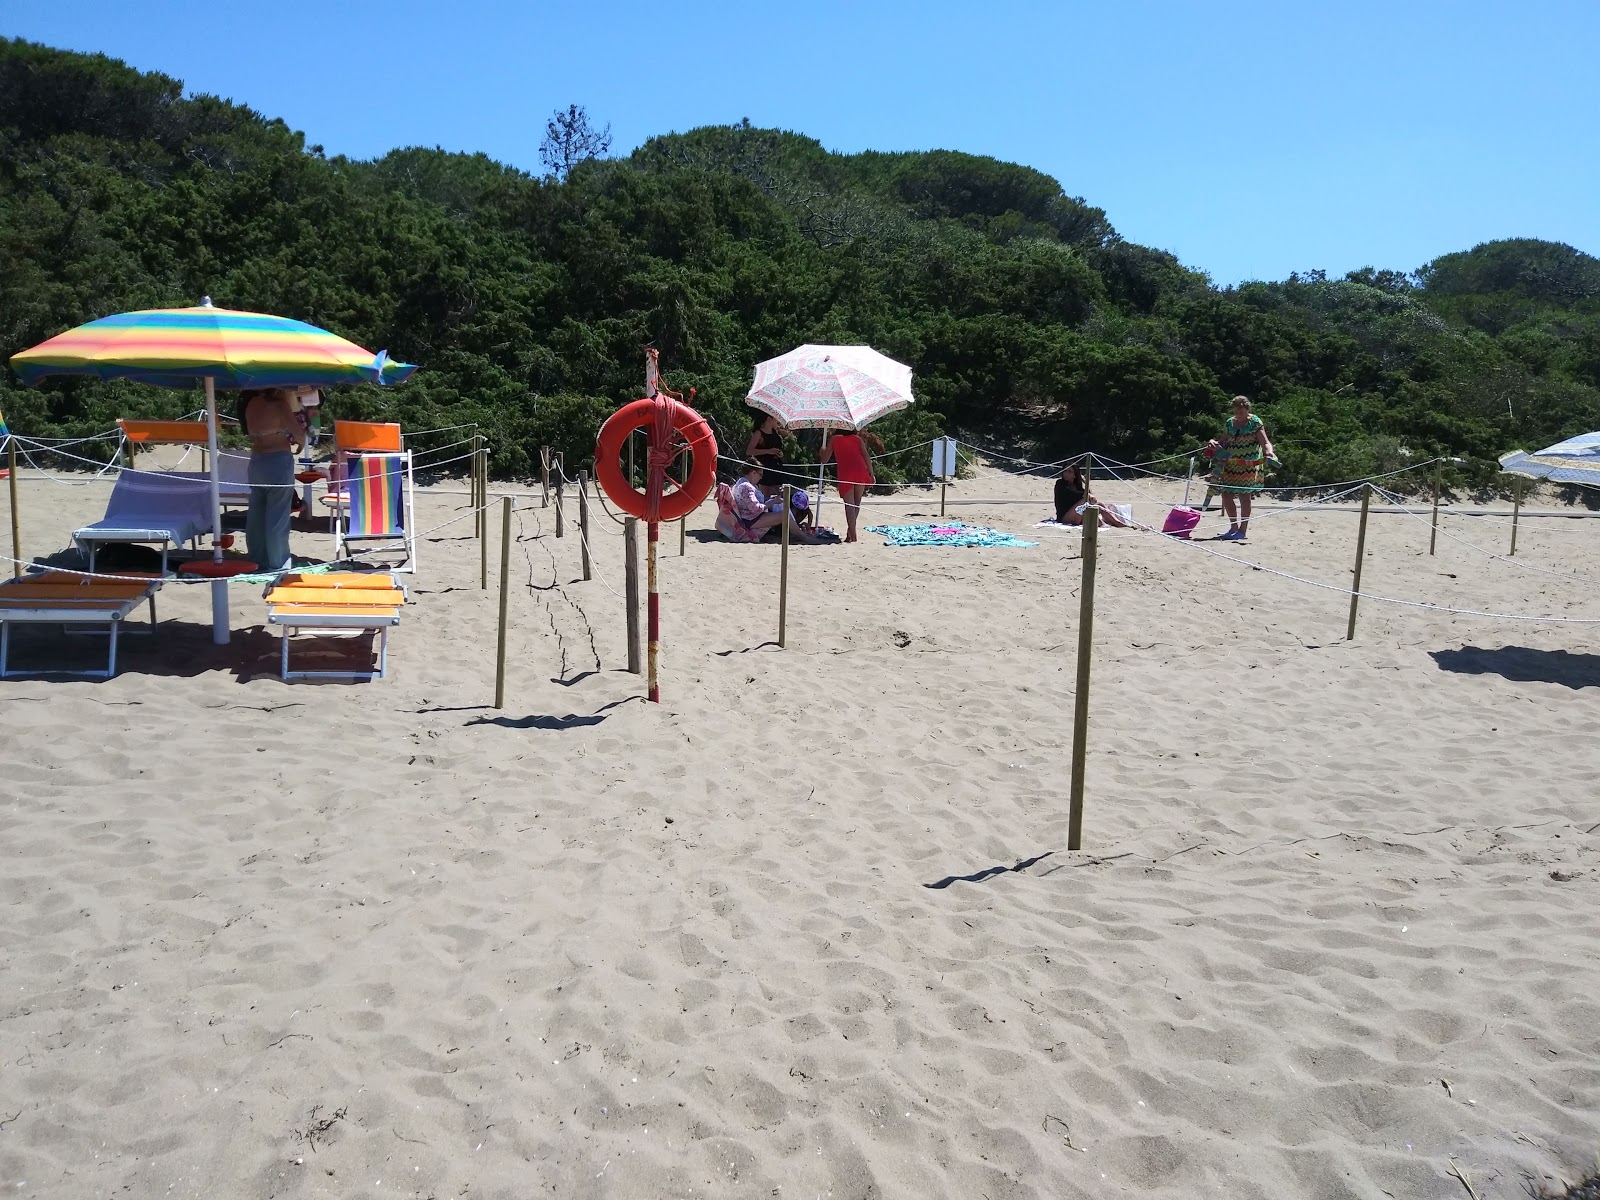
1331 934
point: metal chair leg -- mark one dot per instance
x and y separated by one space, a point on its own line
111 660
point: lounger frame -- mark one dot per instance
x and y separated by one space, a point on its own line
336 603
290 621
67 614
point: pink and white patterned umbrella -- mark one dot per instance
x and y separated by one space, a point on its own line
830 387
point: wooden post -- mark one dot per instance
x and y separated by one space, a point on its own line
16 527
477 484
583 521
630 590
631 481
1433 534
1080 705
783 568
544 473
1187 480
561 494
1361 550
505 590
1516 512
483 520
942 485
683 521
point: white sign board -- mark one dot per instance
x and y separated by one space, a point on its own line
944 458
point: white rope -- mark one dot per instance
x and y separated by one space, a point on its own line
1509 561
98 437
163 580
593 570
111 465
1423 604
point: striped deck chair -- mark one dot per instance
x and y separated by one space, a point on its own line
353 438
378 507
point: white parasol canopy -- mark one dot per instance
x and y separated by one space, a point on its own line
830 387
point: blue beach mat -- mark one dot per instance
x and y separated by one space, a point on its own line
952 533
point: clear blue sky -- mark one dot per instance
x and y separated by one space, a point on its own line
1251 138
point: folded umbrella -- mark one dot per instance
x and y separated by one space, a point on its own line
1576 460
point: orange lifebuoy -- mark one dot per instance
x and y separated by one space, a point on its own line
682 496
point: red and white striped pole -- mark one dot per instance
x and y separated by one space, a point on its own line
659 458
653 611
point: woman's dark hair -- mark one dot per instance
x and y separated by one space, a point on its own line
242 409
1077 473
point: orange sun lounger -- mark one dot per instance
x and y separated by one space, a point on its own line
337 602
62 598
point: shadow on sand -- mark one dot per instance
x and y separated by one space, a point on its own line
1524 664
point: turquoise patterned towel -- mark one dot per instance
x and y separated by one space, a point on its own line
953 533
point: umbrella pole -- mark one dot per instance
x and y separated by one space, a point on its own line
1516 513
219 586
821 480
1433 533
16 527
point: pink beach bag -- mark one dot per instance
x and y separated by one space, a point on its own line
1181 521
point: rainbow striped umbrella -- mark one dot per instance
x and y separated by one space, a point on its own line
176 347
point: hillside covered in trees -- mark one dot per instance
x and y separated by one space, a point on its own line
1028 321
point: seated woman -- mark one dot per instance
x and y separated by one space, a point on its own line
758 514
1073 496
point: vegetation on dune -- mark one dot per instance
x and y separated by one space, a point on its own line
528 301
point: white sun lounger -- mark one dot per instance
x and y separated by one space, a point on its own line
337 602
57 598
151 508
233 478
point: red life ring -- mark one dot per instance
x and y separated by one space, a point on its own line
682 497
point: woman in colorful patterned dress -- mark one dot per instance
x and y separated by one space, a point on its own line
1241 458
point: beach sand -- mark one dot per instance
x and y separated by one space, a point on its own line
1332 933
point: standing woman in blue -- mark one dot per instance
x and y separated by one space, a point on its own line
276 436
1242 455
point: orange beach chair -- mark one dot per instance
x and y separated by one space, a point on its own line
338 602
66 599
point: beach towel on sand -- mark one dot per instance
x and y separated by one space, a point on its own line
953 533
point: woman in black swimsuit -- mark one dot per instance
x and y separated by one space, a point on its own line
766 447
1072 493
